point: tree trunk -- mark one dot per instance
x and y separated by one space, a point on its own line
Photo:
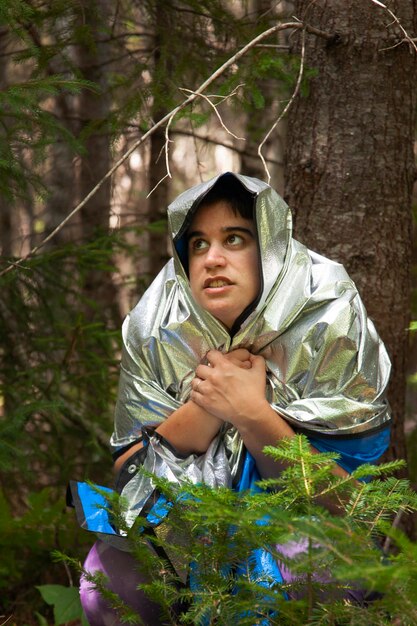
158 200
6 208
60 180
350 166
94 111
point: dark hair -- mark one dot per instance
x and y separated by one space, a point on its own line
230 190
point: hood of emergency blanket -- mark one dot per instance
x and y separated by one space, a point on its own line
327 368
271 215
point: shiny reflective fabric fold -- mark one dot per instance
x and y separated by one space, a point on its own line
327 368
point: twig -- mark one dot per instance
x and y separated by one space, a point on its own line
357 499
395 524
68 572
276 46
214 107
217 142
166 150
395 20
168 140
289 103
383 509
158 183
167 118
305 478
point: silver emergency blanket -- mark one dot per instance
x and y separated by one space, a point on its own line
327 369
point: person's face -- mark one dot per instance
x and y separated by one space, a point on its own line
223 261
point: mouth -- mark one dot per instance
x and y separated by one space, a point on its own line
216 282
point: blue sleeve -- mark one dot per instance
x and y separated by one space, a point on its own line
354 451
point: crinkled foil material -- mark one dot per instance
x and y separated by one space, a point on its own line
327 368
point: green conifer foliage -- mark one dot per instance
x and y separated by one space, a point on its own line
218 532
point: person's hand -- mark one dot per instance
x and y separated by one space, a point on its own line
240 357
229 390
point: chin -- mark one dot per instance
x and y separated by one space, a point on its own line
224 319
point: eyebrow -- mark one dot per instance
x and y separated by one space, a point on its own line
225 229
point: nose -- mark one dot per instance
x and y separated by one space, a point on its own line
215 256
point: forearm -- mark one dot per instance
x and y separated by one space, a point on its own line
189 430
267 428
263 428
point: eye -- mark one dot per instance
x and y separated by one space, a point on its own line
198 244
235 240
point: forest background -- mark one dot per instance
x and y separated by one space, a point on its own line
138 101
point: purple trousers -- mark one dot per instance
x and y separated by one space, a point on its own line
123 579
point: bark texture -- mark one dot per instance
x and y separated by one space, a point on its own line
94 111
158 200
350 173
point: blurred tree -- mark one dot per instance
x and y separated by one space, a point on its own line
163 19
94 55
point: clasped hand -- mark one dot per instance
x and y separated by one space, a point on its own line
232 386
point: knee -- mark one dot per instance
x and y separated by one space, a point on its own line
95 607
92 602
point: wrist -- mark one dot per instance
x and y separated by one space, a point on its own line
205 415
251 415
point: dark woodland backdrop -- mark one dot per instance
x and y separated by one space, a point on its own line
80 84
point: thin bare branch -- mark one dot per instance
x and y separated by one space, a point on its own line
395 20
167 118
275 46
167 142
286 109
217 142
167 175
214 107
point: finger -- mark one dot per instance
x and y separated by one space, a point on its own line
197 398
241 354
203 371
196 382
258 363
214 357
246 365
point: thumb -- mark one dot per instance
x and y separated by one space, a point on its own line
258 363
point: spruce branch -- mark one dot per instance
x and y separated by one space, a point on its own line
221 531
396 487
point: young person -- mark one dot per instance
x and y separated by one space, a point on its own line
244 338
